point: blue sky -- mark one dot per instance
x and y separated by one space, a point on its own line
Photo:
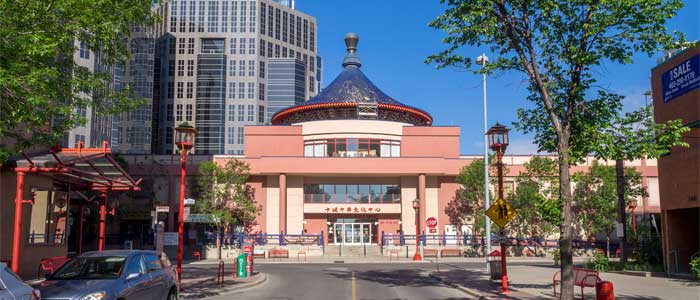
395 40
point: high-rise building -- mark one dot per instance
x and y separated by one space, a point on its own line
127 132
212 66
286 84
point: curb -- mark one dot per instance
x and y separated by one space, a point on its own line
261 278
471 292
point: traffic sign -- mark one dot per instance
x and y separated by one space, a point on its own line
501 212
431 222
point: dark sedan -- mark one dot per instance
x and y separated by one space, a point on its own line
112 275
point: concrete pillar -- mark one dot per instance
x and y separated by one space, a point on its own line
283 202
421 196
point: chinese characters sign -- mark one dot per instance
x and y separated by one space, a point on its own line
350 209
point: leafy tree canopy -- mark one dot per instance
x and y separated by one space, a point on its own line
40 84
224 194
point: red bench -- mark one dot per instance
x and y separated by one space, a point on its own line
582 278
278 253
300 253
49 265
430 253
394 253
450 253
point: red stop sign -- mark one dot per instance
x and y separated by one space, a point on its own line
431 222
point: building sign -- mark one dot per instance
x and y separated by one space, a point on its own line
200 218
162 208
681 79
352 208
170 238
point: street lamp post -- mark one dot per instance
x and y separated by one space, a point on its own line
498 141
416 207
482 60
184 139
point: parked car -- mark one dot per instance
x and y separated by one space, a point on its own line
111 275
13 288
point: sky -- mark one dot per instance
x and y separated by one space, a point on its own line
395 40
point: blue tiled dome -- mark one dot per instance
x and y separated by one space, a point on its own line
341 98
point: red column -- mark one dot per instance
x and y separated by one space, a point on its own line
180 215
103 221
504 269
283 202
17 237
79 247
421 197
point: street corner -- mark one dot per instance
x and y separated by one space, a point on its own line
476 284
209 287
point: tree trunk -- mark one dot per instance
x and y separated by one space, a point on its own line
621 205
607 249
567 266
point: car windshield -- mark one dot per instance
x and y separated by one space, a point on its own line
103 267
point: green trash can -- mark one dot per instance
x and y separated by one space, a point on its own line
241 266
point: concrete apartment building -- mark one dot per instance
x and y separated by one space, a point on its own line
676 95
212 67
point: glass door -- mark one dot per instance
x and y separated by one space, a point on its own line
356 233
366 233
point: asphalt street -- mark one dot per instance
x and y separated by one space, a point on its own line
406 281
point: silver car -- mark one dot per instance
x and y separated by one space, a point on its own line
13 288
111 275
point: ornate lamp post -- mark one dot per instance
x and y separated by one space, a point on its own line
498 142
416 207
184 139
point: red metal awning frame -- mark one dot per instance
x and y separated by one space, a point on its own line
76 167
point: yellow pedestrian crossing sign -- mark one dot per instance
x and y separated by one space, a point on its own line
501 212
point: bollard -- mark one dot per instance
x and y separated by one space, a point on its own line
604 290
220 275
235 269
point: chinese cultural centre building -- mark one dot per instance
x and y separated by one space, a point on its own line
350 162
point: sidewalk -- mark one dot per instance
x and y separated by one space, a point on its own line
535 282
377 259
200 282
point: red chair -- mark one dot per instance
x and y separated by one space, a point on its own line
197 254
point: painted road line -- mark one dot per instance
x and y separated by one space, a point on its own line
354 293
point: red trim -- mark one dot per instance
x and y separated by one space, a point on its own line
276 119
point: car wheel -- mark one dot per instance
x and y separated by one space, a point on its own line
172 295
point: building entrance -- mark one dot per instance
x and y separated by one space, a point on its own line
354 232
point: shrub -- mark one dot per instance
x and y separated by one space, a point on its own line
600 262
695 265
556 256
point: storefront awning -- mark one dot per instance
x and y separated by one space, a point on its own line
82 168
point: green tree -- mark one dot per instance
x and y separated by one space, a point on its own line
469 199
536 199
596 196
633 136
40 84
223 193
559 45
468 202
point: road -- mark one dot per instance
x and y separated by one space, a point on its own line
406 281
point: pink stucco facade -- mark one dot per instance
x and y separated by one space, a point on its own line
292 179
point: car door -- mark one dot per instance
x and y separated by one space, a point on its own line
136 279
5 293
159 287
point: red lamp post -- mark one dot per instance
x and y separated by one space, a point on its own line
184 139
498 142
416 207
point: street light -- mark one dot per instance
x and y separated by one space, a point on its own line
416 207
498 142
184 139
482 60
